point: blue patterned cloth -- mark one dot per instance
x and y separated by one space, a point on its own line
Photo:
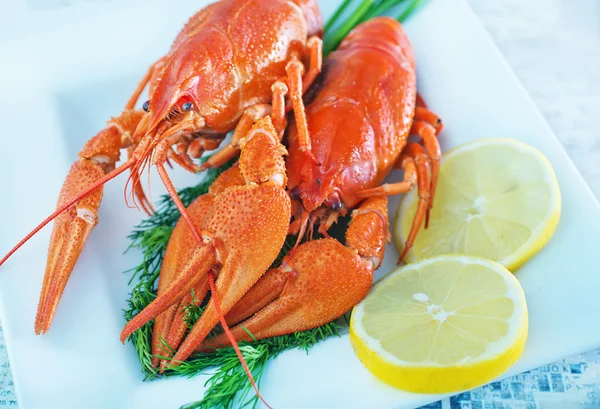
573 383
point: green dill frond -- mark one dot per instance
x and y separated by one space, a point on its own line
228 384
192 314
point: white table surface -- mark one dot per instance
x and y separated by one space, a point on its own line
553 47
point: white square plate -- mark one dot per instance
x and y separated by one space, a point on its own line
64 72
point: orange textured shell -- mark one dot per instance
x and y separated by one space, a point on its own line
359 115
229 54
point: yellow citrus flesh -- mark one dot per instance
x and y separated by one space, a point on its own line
444 324
496 198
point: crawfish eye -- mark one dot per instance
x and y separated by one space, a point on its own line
146 106
187 107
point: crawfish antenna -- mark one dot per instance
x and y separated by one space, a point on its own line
234 344
116 172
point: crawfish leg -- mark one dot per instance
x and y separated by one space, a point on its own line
187 150
422 112
416 164
249 117
197 147
428 133
72 227
315 50
294 72
278 114
423 121
322 279
414 152
231 150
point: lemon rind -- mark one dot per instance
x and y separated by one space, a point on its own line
540 236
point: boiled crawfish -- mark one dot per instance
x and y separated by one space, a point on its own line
233 63
364 106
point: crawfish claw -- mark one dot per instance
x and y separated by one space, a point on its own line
321 281
70 232
317 283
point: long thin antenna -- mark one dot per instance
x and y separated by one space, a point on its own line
116 172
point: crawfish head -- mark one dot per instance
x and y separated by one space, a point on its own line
191 93
195 90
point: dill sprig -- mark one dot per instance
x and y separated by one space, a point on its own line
228 386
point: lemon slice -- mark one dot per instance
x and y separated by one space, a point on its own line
496 198
444 324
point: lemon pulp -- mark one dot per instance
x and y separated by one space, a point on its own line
444 324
